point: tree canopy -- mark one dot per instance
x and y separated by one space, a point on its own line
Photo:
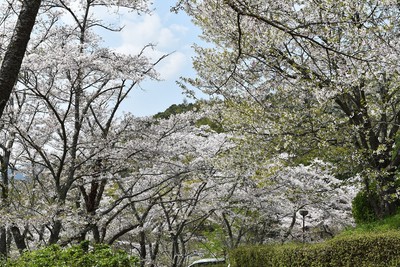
314 79
230 171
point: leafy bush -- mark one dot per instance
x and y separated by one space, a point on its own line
363 250
75 256
362 210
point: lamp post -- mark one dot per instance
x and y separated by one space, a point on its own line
304 214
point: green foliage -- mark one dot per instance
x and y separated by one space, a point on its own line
362 250
215 240
177 109
387 224
217 265
362 209
75 256
215 126
186 107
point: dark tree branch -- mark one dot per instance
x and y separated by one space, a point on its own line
15 52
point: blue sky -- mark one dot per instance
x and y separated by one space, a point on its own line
172 33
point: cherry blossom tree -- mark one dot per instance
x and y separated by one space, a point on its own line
322 75
12 57
258 199
154 184
169 179
64 126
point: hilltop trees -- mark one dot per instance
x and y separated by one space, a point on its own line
312 79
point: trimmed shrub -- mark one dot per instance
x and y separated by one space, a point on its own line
75 256
366 250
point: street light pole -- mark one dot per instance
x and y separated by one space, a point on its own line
304 214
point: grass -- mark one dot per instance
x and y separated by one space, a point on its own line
387 224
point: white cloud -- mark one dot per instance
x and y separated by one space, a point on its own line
172 65
179 28
168 34
140 31
166 38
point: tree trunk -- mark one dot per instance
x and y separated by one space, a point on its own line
16 50
96 233
5 185
18 238
55 232
3 242
175 250
154 252
143 251
388 201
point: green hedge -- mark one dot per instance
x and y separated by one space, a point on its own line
363 250
75 256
